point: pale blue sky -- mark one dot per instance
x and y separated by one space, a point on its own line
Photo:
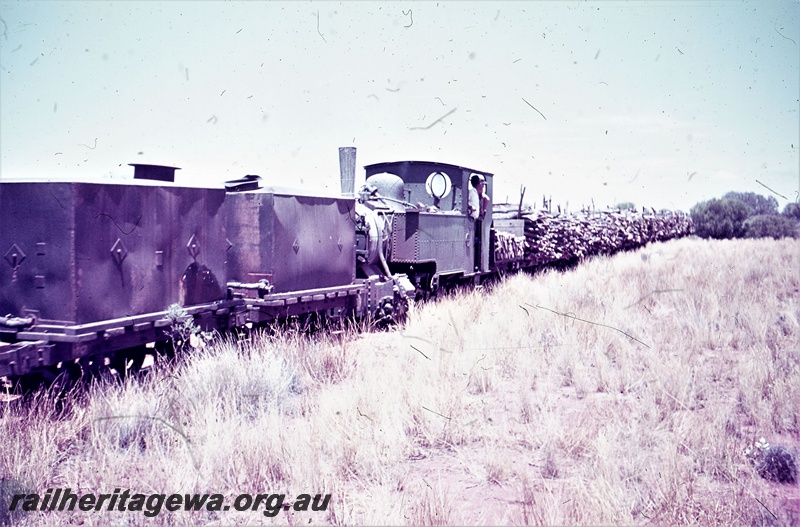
660 103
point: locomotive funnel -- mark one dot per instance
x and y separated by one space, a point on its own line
156 172
347 170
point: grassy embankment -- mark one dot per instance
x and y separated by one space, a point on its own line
622 392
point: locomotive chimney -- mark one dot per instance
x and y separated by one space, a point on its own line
156 172
347 170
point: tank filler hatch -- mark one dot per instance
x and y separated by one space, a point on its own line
154 172
249 182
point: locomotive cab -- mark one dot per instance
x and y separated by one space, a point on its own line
430 234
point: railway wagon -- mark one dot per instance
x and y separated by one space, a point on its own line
292 252
89 268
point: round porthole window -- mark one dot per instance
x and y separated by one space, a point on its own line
438 185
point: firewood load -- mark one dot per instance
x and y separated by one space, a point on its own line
551 237
508 247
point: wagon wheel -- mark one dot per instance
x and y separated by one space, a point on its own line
165 349
58 379
93 367
69 375
241 333
127 361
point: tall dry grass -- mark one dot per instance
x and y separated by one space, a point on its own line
622 392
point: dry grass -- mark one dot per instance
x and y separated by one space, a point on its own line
623 392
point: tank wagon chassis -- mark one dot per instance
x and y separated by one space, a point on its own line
38 352
41 352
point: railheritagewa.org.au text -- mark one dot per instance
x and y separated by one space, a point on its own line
61 500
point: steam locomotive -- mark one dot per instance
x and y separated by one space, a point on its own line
90 268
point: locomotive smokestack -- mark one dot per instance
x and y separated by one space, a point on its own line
347 170
156 172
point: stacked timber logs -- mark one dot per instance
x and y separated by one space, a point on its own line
508 247
552 237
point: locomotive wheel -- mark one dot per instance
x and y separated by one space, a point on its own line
391 311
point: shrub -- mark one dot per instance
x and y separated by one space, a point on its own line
626 205
719 218
756 203
770 226
792 210
773 463
777 464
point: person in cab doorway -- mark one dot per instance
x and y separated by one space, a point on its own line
478 203
478 200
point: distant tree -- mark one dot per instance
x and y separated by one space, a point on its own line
770 226
719 218
756 203
792 210
626 205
